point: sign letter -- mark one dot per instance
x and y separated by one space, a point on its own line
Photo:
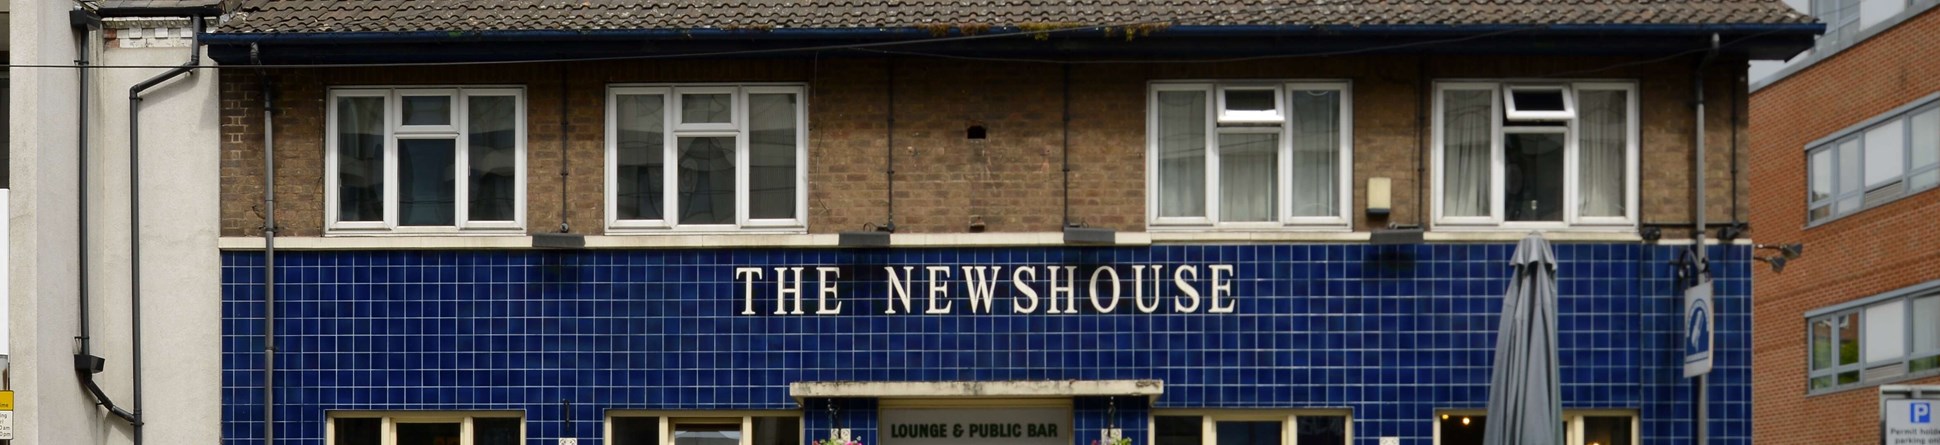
825 290
1221 288
898 289
1093 289
747 287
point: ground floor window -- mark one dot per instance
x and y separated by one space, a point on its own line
426 428
630 427
1251 427
1465 427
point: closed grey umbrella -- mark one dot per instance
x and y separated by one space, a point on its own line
1525 397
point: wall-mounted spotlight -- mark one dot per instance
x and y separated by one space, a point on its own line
874 236
1777 262
1789 251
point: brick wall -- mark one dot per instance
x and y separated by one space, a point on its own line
1011 182
1864 254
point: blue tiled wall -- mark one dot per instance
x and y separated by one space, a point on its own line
1392 333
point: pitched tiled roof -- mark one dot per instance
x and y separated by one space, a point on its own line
113 4
324 16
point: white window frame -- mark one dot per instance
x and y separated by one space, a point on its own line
1229 116
1512 113
394 130
1282 126
390 419
1575 417
1209 421
671 134
1572 197
668 419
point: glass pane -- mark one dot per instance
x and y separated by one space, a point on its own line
1316 153
1463 430
360 159
358 431
1182 153
772 150
706 108
427 110
1922 364
495 431
1603 132
1538 99
1821 382
777 431
426 191
493 156
1821 175
1923 180
1885 153
1885 331
1926 138
1848 167
707 434
1822 343
639 161
1249 100
1848 205
1467 132
1848 377
1249 173
636 431
1533 188
1320 430
1821 212
427 434
1248 433
1926 324
1599 430
706 180
1848 326
1178 430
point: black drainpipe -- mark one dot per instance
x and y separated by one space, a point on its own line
269 259
889 136
85 363
134 206
1065 140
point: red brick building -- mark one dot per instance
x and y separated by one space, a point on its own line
1844 149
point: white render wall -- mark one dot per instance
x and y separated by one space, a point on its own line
181 270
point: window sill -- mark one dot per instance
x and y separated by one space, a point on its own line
1930 373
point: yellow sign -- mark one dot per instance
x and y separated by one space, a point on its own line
6 400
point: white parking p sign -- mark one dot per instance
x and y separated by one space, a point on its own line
1910 422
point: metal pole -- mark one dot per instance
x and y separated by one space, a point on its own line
1699 210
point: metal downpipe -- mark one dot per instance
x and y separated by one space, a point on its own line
1698 226
85 363
269 260
134 208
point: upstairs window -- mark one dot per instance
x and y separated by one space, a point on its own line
1249 155
1535 156
706 158
421 160
1878 341
1874 164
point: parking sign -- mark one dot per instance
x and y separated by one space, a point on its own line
1922 412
